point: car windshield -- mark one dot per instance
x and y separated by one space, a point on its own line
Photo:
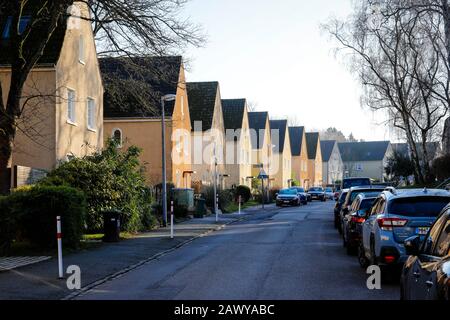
342 198
316 189
366 204
299 189
367 193
348 183
418 206
329 190
288 192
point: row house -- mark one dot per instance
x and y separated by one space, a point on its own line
207 138
262 148
332 165
238 162
131 121
281 166
314 160
299 152
62 96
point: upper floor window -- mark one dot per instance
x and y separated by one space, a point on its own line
91 114
117 137
81 53
71 106
23 23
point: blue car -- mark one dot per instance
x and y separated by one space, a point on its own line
302 194
397 215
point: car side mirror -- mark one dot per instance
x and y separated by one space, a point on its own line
412 245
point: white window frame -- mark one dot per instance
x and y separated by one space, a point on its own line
81 50
91 114
71 107
121 136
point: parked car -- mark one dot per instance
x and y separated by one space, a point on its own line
348 183
287 197
329 193
338 207
426 273
395 217
353 192
317 193
337 194
302 194
352 225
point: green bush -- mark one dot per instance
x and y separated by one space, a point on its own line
8 225
244 192
110 180
30 214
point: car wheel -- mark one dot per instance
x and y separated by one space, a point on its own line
363 261
336 223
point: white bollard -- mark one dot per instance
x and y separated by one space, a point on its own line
171 220
217 208
59 239
239 205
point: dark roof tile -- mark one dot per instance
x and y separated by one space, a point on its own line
327 146
202 102
363 151
134 86
257 122
312 141
296 137
281 126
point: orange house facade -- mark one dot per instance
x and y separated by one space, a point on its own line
142 126
64 117
299 156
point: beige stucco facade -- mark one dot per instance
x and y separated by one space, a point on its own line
46 136
239 156
300 165
263 156
208 146
315 169
281 167
145 133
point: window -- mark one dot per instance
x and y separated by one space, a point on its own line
81 49
443 243
71 106
91 114
359 167
117 136
23 23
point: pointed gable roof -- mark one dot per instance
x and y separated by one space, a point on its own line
202 98
127 80
52 50
312 141
233 113
363 151
296 137
257 122
281 126
327 147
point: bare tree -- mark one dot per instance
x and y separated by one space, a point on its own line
389 54
121 27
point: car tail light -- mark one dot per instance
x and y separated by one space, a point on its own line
388 224
390 259
358 219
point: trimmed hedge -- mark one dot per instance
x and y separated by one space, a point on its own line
30 214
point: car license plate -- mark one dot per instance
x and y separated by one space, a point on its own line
422 230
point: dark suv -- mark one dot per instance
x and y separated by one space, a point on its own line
426 273
369 191
348 183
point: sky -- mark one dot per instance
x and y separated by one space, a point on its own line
274 54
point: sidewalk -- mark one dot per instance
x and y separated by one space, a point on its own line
39 281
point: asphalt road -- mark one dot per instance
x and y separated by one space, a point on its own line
294 254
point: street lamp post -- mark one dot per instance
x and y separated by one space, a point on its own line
167 97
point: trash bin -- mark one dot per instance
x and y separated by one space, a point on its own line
111 226
201 208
